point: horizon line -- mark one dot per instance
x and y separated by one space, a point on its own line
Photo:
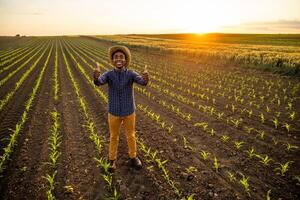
169 33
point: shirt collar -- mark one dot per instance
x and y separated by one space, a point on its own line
121 70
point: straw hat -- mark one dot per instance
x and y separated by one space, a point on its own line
123 49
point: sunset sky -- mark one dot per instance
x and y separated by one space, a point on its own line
96 17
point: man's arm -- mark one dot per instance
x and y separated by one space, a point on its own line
142 80
98 78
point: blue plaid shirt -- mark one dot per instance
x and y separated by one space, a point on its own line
120 90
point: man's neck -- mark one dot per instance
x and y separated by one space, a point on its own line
119 69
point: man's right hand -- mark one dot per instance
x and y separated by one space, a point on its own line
97 72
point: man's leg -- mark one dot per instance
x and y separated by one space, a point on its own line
129 123
114 123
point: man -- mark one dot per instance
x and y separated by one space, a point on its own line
121 102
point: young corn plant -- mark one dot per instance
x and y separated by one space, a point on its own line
186 144
250 152
50 179
244 182
236 122
191 169
204 154
216 165
297 179
189 197
275 142
250 113
287 127
268 195
278 102
249 129
268 109
225 138
264 160
101 162
108 179
290 147
278 114
212 132
170 128
203 125
292 115
220 115
283 168
114 197
275 122
262 118
160 163
231 177
290 106
238 144
233 108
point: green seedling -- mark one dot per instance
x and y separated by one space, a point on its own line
204 154
231 177
250 113
262 118
250 152
220 115
268 109
238 144
264 160
268 195
290 147
225 138
297 179
51 183
292 115
108 179
189 197
191 169
287 127
283 168
216 165
275 142
261 134
275 122
249 129
245 184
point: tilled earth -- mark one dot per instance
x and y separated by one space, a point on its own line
24 176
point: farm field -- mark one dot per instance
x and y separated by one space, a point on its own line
206 129
274 52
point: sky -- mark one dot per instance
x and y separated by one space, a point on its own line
102 17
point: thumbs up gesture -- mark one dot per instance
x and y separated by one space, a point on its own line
145 74
97 71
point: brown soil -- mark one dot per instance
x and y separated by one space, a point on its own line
23 177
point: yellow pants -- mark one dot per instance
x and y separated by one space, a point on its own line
114 123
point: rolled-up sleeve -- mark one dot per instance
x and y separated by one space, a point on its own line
103 79
138 78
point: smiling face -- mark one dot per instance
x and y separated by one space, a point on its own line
119 59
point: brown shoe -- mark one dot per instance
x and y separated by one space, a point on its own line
112 166
136 163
